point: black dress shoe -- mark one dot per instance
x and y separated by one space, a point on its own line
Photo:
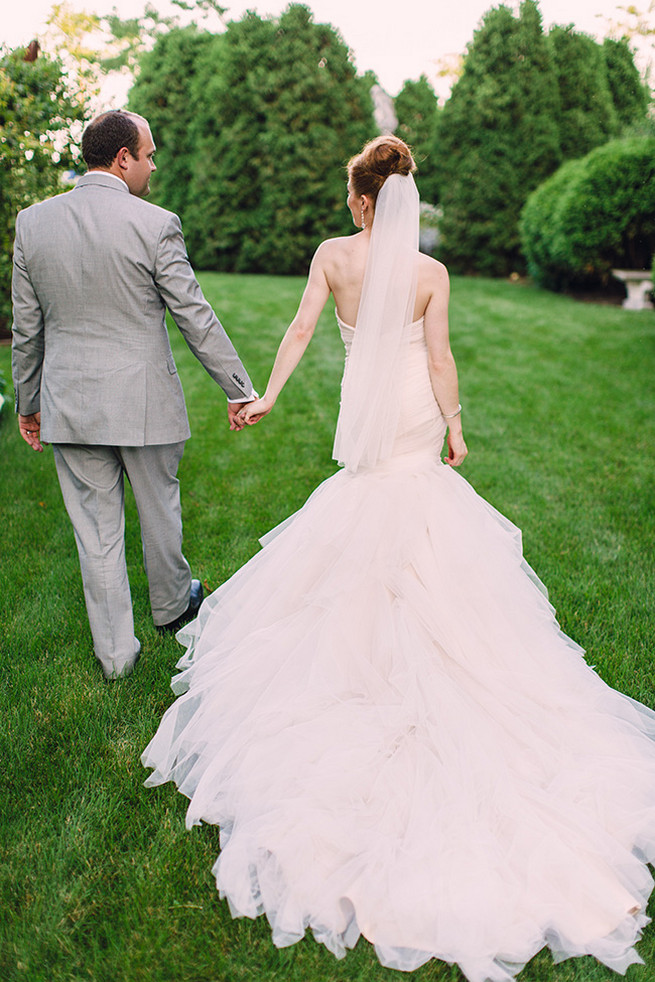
195 599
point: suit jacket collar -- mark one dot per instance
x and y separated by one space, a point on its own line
97 178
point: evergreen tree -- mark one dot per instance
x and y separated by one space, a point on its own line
629 94
417 111
163 94
498 139
587 115
277 112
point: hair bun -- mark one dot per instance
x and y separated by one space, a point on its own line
379 159
391 156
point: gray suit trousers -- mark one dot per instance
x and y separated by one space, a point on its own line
92 484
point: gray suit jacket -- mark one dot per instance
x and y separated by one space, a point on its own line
94 271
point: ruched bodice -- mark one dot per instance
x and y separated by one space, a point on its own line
421 427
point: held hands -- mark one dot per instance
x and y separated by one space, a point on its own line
241 414
252 412
30 430
233 410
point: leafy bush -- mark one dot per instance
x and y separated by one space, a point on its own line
593 214
37 114
538 223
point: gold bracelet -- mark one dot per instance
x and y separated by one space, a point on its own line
456 413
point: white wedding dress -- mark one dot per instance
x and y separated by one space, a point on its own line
397 740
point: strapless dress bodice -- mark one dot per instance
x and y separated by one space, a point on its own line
416 331
421 427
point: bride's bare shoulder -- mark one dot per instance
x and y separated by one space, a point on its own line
433 285
335 252
431 270
340 245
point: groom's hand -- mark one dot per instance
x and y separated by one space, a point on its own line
30 430
233 413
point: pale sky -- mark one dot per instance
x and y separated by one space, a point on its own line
397 40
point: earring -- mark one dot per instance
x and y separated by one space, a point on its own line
363 222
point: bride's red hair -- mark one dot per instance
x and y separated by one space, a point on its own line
381 157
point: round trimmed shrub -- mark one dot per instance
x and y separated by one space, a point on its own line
593 214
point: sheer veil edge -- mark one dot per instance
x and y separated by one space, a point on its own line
371 390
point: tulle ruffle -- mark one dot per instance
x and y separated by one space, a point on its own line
396 739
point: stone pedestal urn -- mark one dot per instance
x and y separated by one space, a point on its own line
638 283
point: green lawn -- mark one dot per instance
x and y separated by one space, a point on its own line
99 879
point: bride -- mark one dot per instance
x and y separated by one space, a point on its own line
379 709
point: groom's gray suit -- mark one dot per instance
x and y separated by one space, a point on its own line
94 271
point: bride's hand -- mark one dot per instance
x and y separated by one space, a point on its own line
457 450
252 412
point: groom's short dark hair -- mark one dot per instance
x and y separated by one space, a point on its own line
106 135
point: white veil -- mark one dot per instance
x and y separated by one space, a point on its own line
370 392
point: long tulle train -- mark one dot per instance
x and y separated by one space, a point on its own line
397 740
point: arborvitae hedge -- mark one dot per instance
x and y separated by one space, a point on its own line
594 214
163 94
524 103
417 111
587 116
253 128
629 94
498 139
268 113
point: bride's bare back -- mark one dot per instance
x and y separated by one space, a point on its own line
338 269
343 262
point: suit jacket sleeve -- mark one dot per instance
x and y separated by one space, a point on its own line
27 335
195 318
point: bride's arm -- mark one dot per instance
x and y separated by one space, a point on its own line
297 337
441 364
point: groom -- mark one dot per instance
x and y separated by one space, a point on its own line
94 271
